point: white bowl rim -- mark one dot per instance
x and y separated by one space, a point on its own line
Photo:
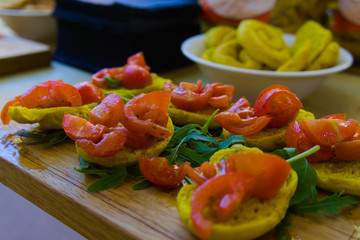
25 12
344 55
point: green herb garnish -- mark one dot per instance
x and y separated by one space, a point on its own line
110 177
305 199
112 83
195 144
43 138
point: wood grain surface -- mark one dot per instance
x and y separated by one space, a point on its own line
46 177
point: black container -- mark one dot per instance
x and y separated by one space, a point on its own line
93 36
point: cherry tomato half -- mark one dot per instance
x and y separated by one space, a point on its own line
158 171
89 92
77 127
108 112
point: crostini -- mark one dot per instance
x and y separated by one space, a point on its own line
118 134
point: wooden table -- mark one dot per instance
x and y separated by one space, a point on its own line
46 176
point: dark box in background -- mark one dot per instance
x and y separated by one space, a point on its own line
94 34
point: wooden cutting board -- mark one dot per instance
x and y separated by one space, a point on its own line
46 177
19 54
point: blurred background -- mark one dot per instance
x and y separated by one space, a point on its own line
81 32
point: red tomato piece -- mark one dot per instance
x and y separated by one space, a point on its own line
138 59
278 102
89 92
222 95
44 95
147 114
158 171
348 151
136 141
242 105
270 171
292 134
77 127
194 173
136 77
98 78
341 116
235 124
325 153
189 97
108 112
109 144
217 187
327 132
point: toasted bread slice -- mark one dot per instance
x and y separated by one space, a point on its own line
48 118
183 117
336 176
251 220
270 139
127 156
157 84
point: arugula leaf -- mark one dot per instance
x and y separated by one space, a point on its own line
329 204
142 185
112 180
112 83
43 138
305 199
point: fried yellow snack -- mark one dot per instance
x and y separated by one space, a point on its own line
270 139
299 61
157 84
207 54
319 37
228 53
216 35
252 219
128 156
263 42
338 176
183 117
327 58
48 118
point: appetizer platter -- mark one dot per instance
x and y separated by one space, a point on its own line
130 154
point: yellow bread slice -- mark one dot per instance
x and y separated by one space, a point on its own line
157 84
182 117
270 139
338 176
128 156
251 220
48 118
237 148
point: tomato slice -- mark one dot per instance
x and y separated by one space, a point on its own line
348 151
278 102
98 78
109 144
325 153
135 77
238 184
327 132
108 112
222 95
341 116
158 171
292 134
242 105
270 171
189 97
138 59
89 92
235 124
147 114
77 127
